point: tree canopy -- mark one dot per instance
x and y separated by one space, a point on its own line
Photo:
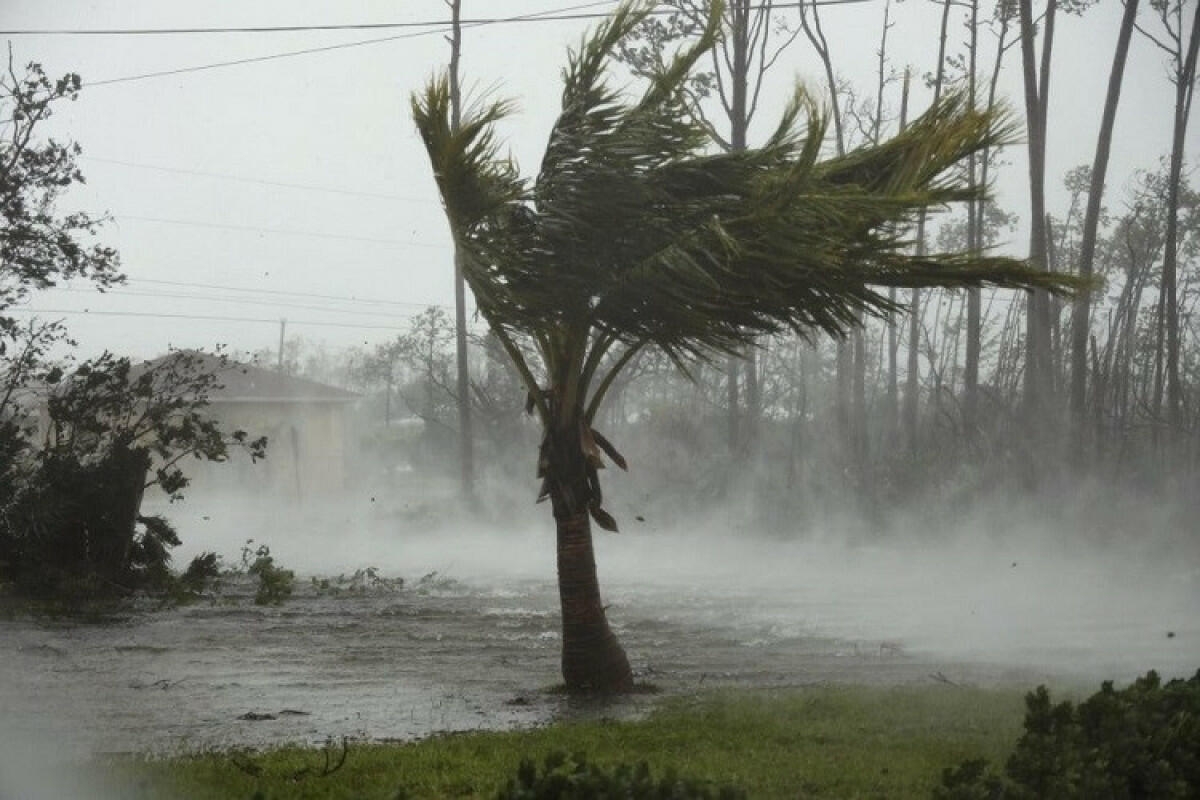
636 232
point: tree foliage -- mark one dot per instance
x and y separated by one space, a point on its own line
39 247
636 233
77 453
71 528
1141 741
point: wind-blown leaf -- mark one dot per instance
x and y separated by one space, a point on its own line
603 518
611 451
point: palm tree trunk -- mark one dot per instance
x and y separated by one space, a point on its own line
592 658
593 661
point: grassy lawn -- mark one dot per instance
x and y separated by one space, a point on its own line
834 742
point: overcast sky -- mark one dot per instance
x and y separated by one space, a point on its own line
296 187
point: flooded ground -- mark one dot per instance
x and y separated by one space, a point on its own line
471 638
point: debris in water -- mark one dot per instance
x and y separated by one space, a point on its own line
254 716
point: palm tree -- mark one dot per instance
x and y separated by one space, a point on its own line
636 233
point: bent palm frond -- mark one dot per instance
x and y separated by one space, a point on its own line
634 231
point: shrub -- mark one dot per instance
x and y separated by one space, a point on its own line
275 584
573 778
1141 741
363 582
201 573
72 535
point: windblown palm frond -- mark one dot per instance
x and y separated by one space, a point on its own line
635 231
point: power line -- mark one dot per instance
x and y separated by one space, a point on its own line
282 293
234 300
202 317
327 48
243 179
547 16
241 61
554 15
283 231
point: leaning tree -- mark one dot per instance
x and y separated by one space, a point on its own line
638 233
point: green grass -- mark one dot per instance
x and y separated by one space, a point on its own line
829 742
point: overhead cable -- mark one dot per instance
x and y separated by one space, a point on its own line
243 179
280 292
283 231
441 26
235 300
568 14
202 317
433 27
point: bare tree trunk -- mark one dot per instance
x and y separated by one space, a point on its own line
858 428
846 404
1081 313
1184 85
859 432
914 337
974 244
731 395
739 122
1037 367
1160 338
975 332
893 390
1053 265
466 451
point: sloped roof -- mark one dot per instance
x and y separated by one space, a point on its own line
246 383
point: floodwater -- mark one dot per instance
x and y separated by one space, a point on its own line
470 640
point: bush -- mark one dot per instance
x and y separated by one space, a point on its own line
72 535
275 584
203 572
574 778
1141 741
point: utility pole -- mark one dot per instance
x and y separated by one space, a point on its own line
466 450
279 353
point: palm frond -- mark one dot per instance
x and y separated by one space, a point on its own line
636 231
475 183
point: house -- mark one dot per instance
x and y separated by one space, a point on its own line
305 423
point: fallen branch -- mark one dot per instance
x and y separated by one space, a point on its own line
940 678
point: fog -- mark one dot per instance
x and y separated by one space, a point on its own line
1090 590
1102 586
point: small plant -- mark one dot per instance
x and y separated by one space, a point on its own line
202 573
275 584
571 778
1141 741
362 582
73 538
435 582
